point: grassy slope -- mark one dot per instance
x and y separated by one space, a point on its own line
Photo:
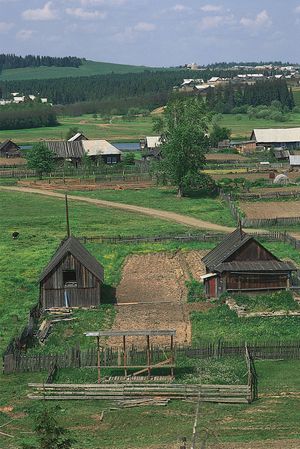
88 68
122 130
209 209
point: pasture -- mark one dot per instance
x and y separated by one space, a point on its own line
40 222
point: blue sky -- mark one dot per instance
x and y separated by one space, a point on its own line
153 32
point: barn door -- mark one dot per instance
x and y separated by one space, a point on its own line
212 284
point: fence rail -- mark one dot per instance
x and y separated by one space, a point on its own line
22 361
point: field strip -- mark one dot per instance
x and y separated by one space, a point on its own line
162 214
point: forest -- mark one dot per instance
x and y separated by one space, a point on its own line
12 61
231 99
27 115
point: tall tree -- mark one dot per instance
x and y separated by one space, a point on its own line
184 128
40 159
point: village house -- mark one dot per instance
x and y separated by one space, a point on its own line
240 264
244 147
9 149
74 151
72 278
287 138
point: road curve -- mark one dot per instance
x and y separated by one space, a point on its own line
157 213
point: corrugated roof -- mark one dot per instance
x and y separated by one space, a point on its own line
66 150
99 148
73 246
294 160
153 141
226 248
260 265
271 135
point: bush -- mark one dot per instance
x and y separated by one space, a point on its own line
195 291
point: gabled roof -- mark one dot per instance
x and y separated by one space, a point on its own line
99 148
153 141
76 137
63 149
226 248
73 246
6 142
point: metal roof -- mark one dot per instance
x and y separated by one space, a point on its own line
226 248
153 141
73 246
260 265
294 160
281 135
66 150
99 148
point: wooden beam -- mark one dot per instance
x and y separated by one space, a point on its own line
99 360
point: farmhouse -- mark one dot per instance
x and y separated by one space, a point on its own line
74 151
72 278
241 264
288 138
9 149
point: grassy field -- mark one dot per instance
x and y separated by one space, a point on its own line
119 129
40 222
88 68
204 208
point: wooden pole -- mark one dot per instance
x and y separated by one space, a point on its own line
148 357
99 360
125 355
67 216
172 356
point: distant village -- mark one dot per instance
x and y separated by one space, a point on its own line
17 98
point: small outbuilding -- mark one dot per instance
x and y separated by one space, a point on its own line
240 264
72 278
9 149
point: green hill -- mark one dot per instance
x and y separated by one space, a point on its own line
88 68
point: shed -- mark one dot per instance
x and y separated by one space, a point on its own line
72 278
9 149
72 151
288 138
294 161
241 264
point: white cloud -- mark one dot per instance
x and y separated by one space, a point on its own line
297 9
180 8
211 8
44 13
24 35
84 14
144 26
5 27
210 22
103 2
261 20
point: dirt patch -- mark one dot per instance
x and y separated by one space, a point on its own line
12 161
89 185
225 157
6 409
271 209
152 295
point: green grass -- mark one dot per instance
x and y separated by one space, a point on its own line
119 130
88 68
204 208
268 302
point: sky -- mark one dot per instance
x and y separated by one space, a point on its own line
153 32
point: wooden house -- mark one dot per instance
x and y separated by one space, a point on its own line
9 149
241 264
67 151
72 278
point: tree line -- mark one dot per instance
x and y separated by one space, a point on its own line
228 99
12 61
27 115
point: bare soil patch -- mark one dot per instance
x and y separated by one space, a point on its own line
12 161
86 185
271 209
152 295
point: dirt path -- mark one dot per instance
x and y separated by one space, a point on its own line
152 294
164 215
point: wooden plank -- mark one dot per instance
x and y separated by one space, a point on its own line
141 333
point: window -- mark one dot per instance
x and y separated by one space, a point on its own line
69 276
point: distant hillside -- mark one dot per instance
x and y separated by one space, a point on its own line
88 68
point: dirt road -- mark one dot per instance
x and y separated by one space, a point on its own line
164 215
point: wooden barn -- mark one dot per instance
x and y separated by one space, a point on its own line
9 149
240 264
73 278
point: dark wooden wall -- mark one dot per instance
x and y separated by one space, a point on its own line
254 281
10 150
252 250
86 294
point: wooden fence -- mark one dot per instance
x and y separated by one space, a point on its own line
268 195
22 361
